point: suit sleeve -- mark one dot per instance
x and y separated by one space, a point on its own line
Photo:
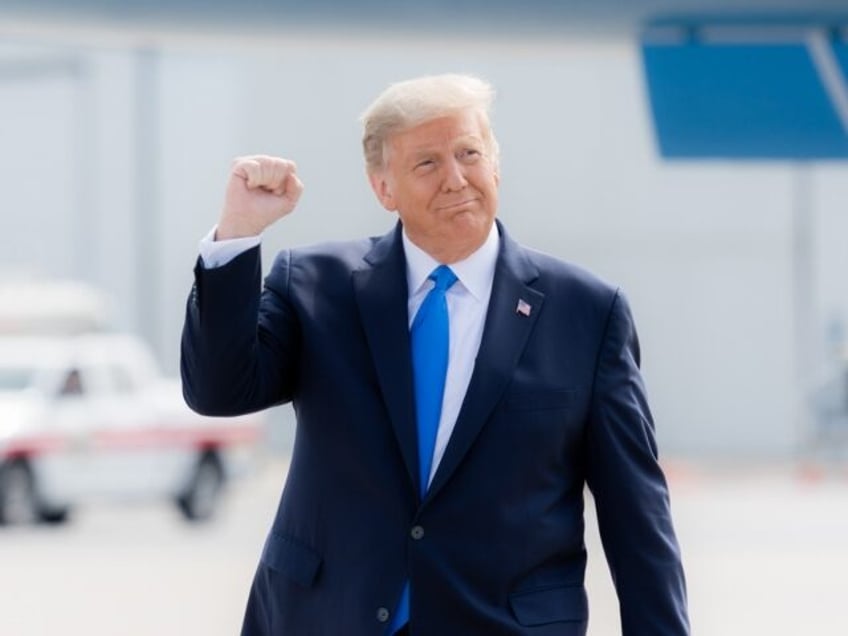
240 343
630 490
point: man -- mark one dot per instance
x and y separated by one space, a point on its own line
447 417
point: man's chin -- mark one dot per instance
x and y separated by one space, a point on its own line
471 217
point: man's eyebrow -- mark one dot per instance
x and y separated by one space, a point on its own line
423 150
426 151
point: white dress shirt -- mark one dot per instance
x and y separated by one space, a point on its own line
468 300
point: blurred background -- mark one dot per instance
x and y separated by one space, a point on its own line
692 152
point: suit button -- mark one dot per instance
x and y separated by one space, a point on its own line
417 532
382 614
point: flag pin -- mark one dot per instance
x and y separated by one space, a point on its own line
523 307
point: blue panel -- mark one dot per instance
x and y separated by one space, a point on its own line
743 101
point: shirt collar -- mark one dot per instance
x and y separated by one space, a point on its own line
475 272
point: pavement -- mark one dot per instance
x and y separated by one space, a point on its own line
765 549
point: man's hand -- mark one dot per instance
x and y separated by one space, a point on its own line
261 190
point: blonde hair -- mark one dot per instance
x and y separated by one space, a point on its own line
409 103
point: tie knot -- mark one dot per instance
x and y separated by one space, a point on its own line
443 277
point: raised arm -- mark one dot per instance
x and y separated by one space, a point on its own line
239 348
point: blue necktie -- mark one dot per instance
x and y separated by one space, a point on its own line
430 343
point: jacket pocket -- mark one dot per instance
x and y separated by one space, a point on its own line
540 399
550 605
291 558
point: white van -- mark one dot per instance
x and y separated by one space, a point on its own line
88 417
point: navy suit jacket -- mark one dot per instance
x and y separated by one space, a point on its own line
556 401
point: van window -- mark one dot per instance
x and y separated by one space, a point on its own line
16 379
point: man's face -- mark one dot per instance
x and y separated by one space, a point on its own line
443 182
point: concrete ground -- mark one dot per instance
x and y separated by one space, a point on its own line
765 549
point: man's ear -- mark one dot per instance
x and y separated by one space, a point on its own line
381 188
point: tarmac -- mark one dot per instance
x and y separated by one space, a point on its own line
765 548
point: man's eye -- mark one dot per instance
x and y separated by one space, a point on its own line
469 153
426 163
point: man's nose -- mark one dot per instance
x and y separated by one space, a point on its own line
454 176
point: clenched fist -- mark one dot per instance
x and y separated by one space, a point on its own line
261 190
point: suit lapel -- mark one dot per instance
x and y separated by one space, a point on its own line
381 294
507 328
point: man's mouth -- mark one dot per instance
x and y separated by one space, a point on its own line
457 204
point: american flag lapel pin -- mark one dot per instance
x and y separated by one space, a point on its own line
523 307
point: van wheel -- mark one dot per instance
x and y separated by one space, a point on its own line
200 500
18 503
54 516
